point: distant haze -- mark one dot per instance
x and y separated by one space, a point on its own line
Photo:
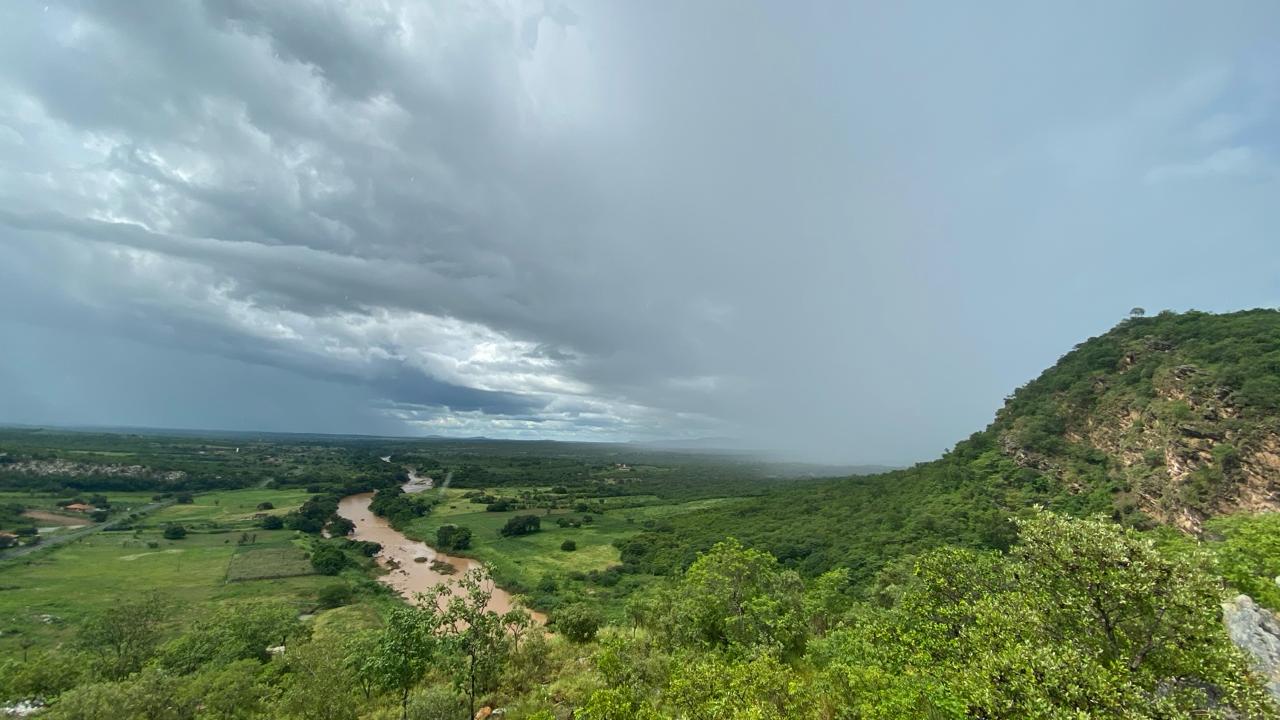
838 231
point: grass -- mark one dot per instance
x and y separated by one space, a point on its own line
234 507
45 596
520 562
261 563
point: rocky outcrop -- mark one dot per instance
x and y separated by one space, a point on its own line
1182 452
1255 630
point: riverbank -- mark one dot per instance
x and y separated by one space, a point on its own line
412 566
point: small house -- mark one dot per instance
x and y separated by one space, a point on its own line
81 508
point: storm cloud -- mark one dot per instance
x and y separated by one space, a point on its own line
839 231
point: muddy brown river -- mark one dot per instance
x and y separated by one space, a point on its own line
406 574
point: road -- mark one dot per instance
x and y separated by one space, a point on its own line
64 538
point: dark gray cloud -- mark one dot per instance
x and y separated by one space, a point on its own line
841 232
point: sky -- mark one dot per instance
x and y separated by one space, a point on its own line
834 231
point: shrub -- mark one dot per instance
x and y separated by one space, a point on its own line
327 559
266 506
335 595
340 527
453 537
578 622
174 532
568 546
272 522
364 547
521 525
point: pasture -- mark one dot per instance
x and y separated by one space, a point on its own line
44 596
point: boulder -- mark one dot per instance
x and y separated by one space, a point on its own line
1255 630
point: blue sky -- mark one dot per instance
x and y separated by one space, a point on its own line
839 231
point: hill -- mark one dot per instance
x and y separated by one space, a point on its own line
1170 419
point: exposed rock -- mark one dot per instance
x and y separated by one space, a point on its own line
1255 630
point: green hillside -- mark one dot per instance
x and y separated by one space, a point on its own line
1169 419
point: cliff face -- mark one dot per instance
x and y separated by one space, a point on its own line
1176 416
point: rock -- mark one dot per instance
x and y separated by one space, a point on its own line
483 713
1255 630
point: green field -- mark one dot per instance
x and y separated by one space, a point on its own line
45 596
521 563
253 562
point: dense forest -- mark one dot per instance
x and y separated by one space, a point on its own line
1165 419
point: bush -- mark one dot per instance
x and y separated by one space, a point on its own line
568 546
271 522
340 527
453 537
364 547
437 702
185 498
174 532
332 596
578 622
327 559
266 506
499 506
521 525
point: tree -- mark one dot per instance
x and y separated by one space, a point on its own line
232 632
327 559
408 645
340 526
737 597
149 695
174 531
272 522
521 525
453 537
234 691
476 635
126 634
1114 593
826 600
1137 312
578 622
312 686
1082 618
715 688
